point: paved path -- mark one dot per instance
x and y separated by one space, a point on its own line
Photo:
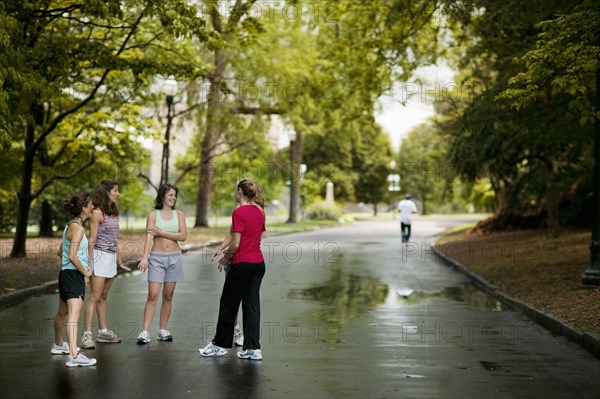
333 325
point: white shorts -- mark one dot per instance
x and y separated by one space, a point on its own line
103 264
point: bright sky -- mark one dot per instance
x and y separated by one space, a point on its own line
397 119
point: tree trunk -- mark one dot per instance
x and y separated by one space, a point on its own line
552 201
498 195
296 176
24 193
18 249
47 220
375 209
502 192
211 137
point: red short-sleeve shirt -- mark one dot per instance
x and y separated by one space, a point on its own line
248 220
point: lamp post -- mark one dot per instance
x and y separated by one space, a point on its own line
169 88
591 277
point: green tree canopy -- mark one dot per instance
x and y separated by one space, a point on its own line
73 76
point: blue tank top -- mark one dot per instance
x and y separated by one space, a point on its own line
82 251
169 226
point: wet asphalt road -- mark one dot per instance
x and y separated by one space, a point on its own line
333 325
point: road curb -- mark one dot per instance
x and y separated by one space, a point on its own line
17 296
590 342
12 298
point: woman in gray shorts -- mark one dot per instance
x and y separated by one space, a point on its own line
162 258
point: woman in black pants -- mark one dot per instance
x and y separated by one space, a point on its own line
242 283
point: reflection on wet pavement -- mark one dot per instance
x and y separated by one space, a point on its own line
347 295
333 326
463 293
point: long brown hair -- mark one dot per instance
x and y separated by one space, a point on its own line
159 201
253 191
74 205
100 198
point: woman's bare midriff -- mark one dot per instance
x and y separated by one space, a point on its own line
162 244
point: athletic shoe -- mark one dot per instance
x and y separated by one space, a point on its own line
238 336
252 354
108 337
143 338
212 350
164 335
80 360
61 349
87 342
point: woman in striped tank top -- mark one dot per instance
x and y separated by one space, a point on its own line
162 259
104 257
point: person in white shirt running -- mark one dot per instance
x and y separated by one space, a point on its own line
406 207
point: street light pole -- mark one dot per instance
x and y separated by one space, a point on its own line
170 89
591 276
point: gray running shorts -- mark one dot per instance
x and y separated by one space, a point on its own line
165 267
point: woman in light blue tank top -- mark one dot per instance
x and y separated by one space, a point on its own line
73 279
162 259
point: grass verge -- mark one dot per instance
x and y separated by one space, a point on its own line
528 265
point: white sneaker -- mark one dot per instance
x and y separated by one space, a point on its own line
143 338
80 360
238 336
252 354
107 336
87 342
164 335
212 350
61 349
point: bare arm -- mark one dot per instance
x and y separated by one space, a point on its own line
94 223
148 243
233 246
223 245
75 235
180 236
120 261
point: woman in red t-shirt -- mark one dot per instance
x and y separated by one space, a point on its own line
243 280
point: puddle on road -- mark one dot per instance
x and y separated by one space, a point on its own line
464 293
468 294
345 296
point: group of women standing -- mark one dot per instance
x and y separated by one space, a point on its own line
95 262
